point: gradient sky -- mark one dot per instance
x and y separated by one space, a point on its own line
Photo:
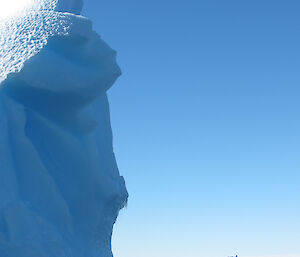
206 125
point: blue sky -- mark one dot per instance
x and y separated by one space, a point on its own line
206 125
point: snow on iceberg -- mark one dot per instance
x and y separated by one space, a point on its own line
60 188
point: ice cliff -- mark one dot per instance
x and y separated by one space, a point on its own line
60 188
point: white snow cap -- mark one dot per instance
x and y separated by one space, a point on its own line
23 36
70 6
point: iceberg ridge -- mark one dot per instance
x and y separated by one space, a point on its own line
60 187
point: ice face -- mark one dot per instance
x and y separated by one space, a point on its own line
72 6
60 188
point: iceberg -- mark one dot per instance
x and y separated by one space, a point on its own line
60 187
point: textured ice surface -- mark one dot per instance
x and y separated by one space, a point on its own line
24 35
60 188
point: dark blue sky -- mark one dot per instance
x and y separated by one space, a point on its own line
206 125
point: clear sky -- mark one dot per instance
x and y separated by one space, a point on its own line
206 125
